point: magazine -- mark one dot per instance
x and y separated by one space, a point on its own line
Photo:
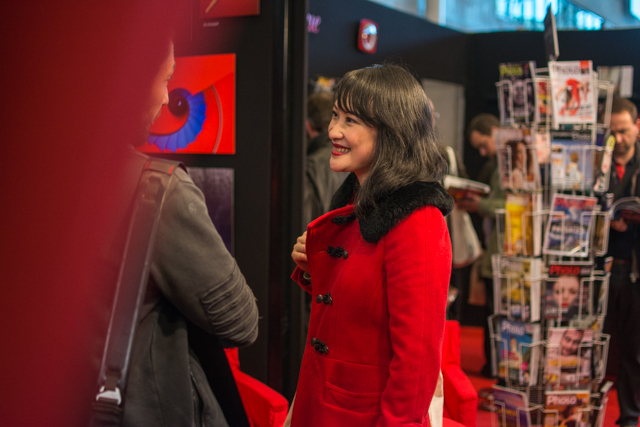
569 225
571 160
600 353
511 405
574 98
517 159
517 287
517 356
568 357
543 146
566 408
567 291
517 92
461 188
599 404
602 226
604 160
542 97
627 208
523 224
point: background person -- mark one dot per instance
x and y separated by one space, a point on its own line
321 182
480 134
378 264
623 314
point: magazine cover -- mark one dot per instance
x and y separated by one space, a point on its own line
461 188
569 225
599 404
567 291
542 97
517 159
517 287
543 146
517 96
511 405
574 99
572 160
523 224
627 208
602 225
517 358
600 353
566 408
604 160
568 358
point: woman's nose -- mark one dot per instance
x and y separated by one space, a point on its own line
334 131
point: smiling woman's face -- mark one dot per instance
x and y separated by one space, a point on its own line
353 144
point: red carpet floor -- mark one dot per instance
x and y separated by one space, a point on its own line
472 359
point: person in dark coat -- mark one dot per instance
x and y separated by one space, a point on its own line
623 314
196 300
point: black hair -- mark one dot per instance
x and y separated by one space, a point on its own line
390 99
483 123
620 105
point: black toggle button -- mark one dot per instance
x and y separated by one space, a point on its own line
319 346
337 252
327 299
342 220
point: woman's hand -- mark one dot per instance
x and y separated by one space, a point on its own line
469 204
619 225
299 254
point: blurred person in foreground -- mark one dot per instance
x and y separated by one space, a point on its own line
79 86
196 298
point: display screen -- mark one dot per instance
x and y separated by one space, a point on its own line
200 116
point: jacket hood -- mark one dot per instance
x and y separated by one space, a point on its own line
395 207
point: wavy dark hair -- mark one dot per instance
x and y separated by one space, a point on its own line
390 99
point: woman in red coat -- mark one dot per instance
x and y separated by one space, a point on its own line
377 265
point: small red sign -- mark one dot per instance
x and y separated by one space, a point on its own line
368 36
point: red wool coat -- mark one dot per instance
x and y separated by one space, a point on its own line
377 319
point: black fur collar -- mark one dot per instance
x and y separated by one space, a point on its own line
395 207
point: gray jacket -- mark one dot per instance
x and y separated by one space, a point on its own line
194 281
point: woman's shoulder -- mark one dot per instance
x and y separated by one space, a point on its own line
428 218
412 201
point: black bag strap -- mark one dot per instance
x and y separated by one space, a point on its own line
130 290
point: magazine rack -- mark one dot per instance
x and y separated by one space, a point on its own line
538 415
501 411
549 160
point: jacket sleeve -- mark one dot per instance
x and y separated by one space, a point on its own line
496 199
298 277
194 271
418 267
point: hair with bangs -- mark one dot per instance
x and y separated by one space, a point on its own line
390 99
